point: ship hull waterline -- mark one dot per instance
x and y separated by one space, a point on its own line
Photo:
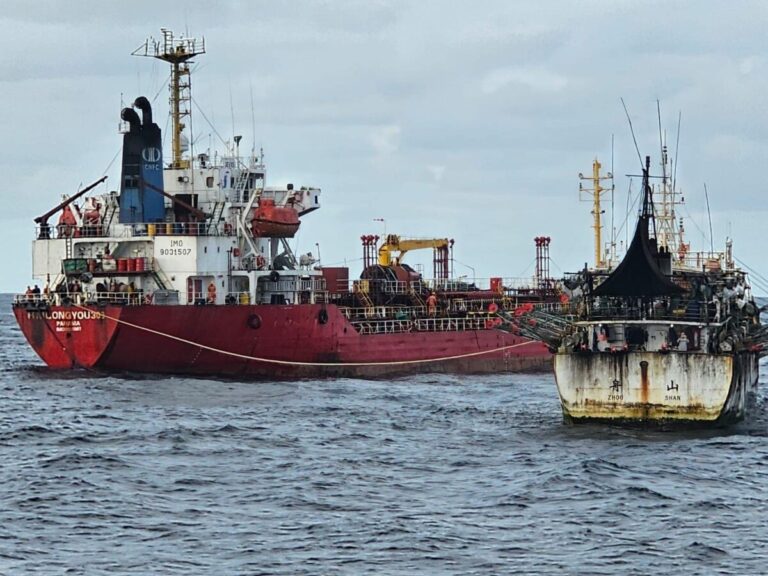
652 388
261 342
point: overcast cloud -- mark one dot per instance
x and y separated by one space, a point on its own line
469 120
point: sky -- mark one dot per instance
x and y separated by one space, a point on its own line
467 120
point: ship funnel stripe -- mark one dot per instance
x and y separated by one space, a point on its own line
292 363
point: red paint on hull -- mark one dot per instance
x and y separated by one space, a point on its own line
221 340
66 337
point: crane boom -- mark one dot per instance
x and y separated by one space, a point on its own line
44 218
393 243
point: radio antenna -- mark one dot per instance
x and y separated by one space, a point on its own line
661 137
709 215
613 225
253 124
632 130
677 147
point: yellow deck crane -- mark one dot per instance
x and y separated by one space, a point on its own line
394 248
394 244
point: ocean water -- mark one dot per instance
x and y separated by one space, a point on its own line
425 475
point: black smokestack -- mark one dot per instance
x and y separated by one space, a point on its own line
146 110
129 115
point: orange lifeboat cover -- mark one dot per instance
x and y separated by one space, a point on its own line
274 221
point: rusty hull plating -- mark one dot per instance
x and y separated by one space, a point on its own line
652 387
656 339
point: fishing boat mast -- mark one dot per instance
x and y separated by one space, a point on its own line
596 191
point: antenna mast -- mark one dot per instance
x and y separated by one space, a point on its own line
178 52
596 191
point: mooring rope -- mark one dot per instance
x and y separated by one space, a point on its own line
296 363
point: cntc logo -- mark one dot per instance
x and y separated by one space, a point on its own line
151 154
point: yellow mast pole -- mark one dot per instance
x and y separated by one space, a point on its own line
177 51
597 211
175 115
597 190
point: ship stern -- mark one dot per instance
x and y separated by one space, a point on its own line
655 388
67 337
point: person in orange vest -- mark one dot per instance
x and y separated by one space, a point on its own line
211 293
432 304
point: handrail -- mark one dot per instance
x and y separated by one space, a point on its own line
501 285
292 284
448 324
703 313
382 311
134 230
82 297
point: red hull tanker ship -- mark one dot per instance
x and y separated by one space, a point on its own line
187 269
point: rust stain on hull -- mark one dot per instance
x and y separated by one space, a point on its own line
647 387
644 385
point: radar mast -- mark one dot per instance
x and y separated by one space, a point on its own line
596 191
178 51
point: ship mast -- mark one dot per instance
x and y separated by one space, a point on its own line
178 52
596 191
666 214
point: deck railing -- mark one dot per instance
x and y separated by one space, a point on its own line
148 229
81 298
688 310
461 284
381 312
391 326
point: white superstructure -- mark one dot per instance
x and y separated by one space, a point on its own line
220 235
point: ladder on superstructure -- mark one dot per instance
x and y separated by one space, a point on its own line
68 247
216 215
416 298
241 183
161 279
109 215
366 301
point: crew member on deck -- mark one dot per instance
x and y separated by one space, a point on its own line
432 304
211 293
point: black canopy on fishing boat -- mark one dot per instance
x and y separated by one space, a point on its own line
639 274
